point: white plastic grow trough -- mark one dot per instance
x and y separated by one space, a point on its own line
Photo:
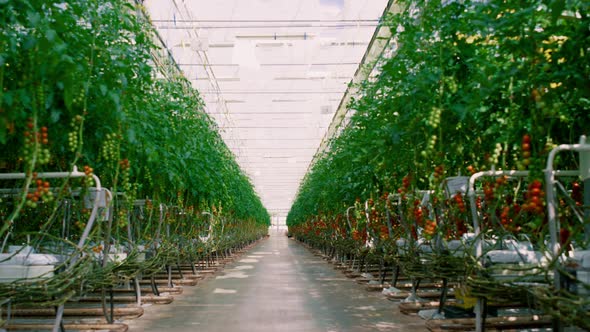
116 257
117 254
141 255
509 266
26 267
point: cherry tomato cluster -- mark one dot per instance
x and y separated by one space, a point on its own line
577 193
321 225
495 157
460 226
384 232
359 236
418 213
374 222
42 193
489 189
406 181
110 147
430 144
124 164
125 175
97 249
535 195
525 146
147 175
429 228
439 172
488 192
339 226
89 171
36 143
507 217
79 224
458 198
501 180
434 119
73 134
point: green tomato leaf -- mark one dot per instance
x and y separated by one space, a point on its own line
50 34
33 18
2 131
557 7
68 96
114 96
7 96
55 115
131 136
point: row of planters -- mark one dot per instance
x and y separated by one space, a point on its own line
447 186
114 182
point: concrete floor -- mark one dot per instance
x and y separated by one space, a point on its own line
277 286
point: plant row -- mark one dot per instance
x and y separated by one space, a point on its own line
83 83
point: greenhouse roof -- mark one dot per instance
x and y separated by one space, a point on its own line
272 75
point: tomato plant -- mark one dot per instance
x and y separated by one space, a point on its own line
79 86
470 86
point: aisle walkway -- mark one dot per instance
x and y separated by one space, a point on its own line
277 286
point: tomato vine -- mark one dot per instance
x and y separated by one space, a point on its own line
79 85
465 83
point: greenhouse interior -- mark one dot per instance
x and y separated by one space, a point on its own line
295 165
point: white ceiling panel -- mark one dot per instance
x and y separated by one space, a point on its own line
272 74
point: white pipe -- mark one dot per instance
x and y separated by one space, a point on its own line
348 218
550 194
210 232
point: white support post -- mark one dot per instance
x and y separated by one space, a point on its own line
585 176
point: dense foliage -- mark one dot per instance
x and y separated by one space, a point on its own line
82 83
470 86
